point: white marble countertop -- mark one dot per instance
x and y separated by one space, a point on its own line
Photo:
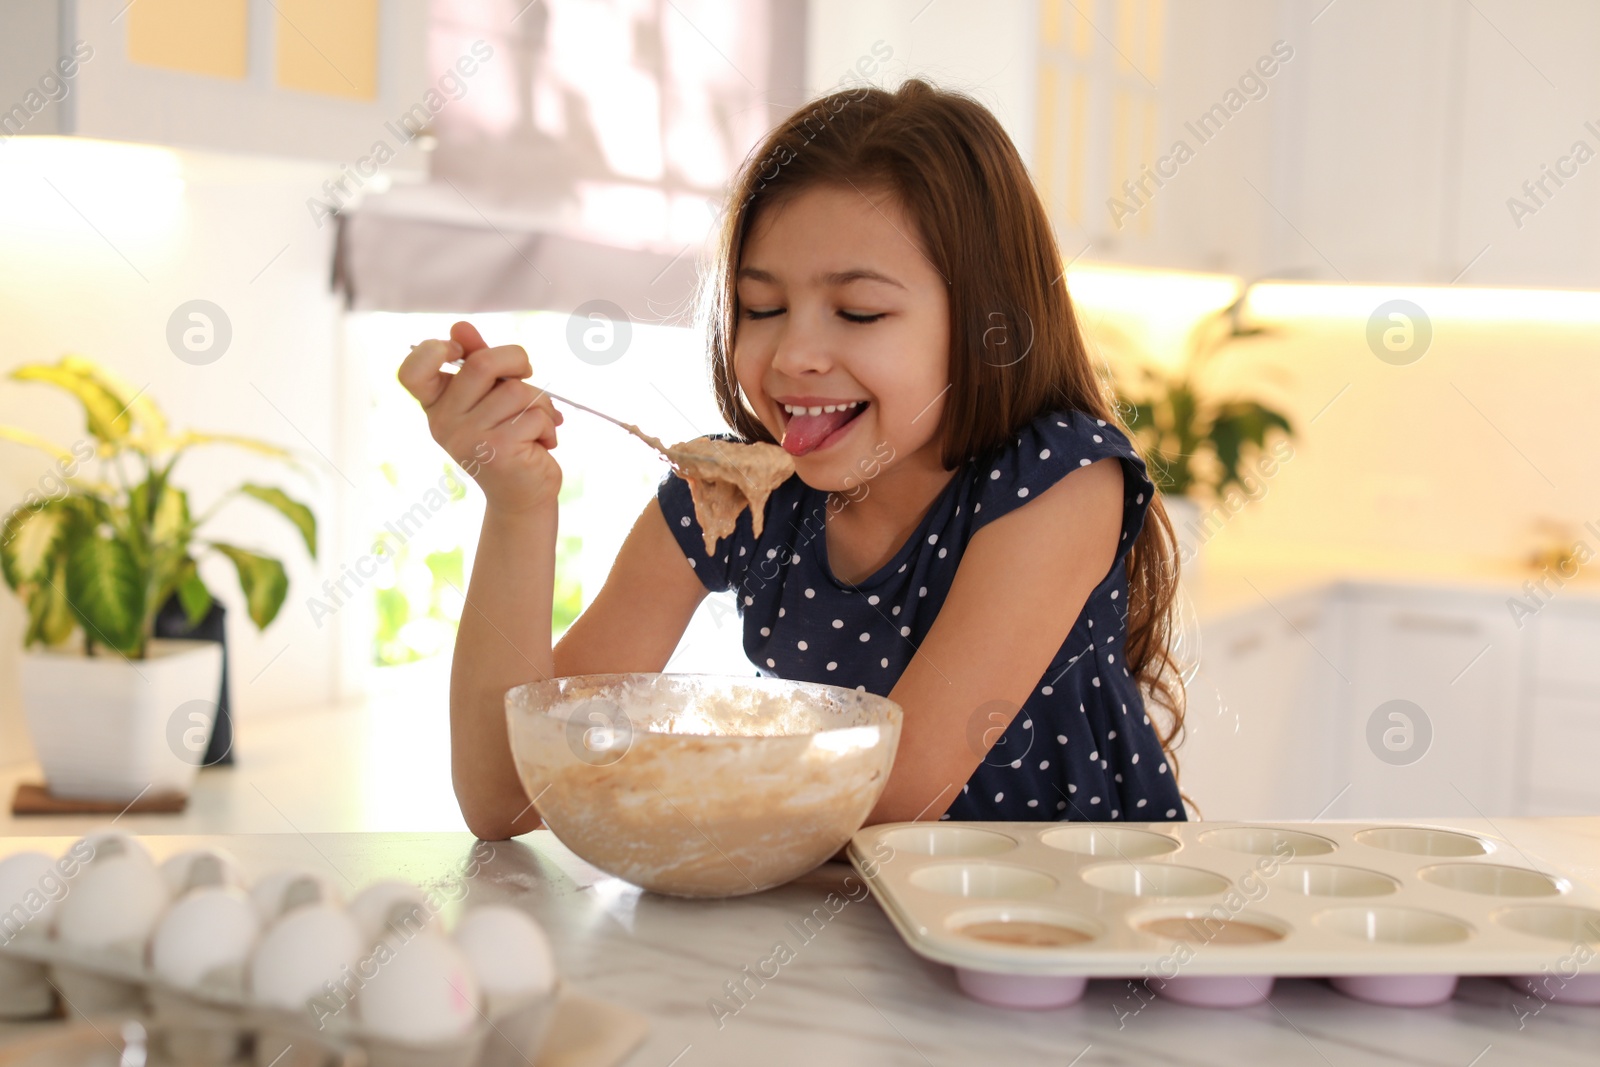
853 993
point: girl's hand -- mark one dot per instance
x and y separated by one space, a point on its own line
497 427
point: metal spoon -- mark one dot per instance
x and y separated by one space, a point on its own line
653 442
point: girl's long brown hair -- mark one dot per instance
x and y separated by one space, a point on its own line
1015 347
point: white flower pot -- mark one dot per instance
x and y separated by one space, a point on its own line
105 727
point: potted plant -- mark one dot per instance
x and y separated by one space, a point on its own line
124 711
1197 441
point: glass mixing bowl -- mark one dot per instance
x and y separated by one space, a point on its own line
701 785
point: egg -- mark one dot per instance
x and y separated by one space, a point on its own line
509 952
283 890
210 929
201 867
308 946
30 888
114 902
388 902
103 844
423 990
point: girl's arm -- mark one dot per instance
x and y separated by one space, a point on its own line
500 430
1018 591
633 624
503 641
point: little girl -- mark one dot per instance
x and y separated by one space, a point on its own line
968 530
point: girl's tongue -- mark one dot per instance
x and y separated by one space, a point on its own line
805 432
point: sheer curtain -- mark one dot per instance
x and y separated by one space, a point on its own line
579 152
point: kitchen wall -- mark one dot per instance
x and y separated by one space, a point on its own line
99 245
1451 462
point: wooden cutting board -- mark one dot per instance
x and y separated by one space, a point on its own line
32 798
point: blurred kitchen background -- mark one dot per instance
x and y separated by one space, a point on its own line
1375 223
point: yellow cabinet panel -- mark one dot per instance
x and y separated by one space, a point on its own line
328 46
196 36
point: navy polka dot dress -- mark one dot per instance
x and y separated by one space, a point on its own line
1082 747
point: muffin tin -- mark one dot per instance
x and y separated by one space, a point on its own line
1212 913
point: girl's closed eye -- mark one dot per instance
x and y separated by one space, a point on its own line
848 316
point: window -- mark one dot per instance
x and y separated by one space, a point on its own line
427 512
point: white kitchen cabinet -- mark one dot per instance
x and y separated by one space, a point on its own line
1527 100
1286 695
1429 725
1386 145
1562 711
325 81
1236 719
1566 648
1563 737
1423 122
1369 127
1261 713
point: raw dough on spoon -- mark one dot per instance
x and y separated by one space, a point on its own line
725 478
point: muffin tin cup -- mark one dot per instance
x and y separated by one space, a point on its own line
1578 989
1215 991
1397 990
1020 991
1211 913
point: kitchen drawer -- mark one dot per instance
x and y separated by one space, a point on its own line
1567 648
1564 738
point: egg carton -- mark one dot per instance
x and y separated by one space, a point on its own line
218 1023
1212 913
188 945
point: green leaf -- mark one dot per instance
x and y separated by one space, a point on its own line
28 540
293 510
106 591
447 568
263 580
193 594
1237 424
32 440
160 540
190 438
171 521
137 401
50 618
393 612
139 501
105 414
1185 408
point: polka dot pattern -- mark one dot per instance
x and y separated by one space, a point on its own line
1073 751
